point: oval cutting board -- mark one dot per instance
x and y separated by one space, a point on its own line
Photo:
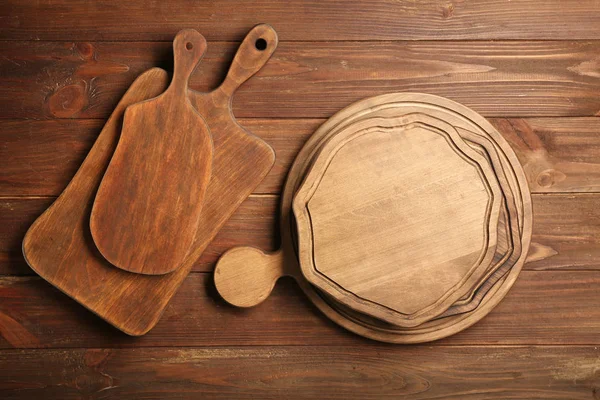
146 212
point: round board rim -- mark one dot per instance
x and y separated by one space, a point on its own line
495 294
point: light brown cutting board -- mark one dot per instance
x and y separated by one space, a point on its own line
59 246
397 218
146 211
483 138
510 227
245 276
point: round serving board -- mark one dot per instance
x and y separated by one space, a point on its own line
391 203
245 276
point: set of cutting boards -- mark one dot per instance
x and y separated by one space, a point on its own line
405 218
168 169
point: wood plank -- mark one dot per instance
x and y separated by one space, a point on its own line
38 158
566 231
253 222
557 154
311 79
544 307
302 20
370 372
16 215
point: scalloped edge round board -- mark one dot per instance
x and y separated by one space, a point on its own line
411 178
252 281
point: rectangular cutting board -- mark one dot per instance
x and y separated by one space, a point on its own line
59 247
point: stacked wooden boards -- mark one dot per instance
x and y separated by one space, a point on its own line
405 218
59 245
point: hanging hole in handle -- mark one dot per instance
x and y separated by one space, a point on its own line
189 45
260 44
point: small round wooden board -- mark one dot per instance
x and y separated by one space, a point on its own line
245 276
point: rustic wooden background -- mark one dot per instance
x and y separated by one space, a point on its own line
531 66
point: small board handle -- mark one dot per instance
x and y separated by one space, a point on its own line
254 52
188 48
245 276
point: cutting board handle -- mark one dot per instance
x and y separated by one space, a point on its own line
253 53
245 276
188 48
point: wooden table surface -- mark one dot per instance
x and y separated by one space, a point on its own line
531 66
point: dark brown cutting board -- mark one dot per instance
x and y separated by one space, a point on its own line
146 211
59 247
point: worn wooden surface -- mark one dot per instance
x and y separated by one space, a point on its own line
531 66
81 79
283 372
59 243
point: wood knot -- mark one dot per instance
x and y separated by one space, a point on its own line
448 11
85 50
96 357
549 178
67 101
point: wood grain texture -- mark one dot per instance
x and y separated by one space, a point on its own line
331 55
134 302
362 240
542 308
312 79
566 232
38 158
303 20
146 210
254 220
371 372
509 246
390 105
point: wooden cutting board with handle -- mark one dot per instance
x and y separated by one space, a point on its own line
146 211
59 247
245 276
